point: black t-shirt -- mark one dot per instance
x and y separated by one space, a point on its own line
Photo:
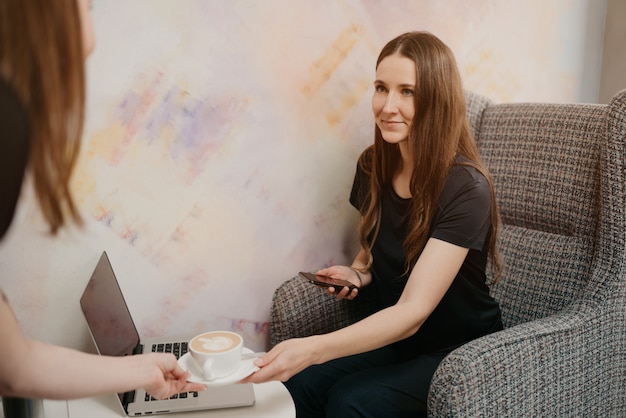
14 148
467 311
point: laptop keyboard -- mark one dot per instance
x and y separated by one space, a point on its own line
178 349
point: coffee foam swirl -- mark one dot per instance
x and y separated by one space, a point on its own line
215 343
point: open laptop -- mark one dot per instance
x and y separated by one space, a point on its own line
114 333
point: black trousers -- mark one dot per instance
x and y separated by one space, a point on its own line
378 383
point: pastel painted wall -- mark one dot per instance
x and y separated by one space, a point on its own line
222 139
613 53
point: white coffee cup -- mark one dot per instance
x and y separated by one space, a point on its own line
216 353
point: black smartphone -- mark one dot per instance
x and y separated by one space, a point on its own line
325 281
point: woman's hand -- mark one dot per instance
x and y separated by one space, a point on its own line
168 378
285 360
344 273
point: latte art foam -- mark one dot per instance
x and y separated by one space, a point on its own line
215 342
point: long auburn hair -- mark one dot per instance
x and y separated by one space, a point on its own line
440 131
42 58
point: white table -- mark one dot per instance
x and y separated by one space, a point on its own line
272 401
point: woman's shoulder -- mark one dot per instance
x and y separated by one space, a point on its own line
14 123
464 168
465 177
14 151
12 112
366 158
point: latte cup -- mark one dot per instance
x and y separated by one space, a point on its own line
216 353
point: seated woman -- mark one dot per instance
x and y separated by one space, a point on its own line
429 224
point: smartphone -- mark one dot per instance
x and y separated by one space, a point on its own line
325 281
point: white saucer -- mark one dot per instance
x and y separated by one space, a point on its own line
246 368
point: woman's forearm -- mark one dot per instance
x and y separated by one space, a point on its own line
73 374
377 330
428 282
30 368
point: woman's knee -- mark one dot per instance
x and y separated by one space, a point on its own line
351 400
362 398
308 393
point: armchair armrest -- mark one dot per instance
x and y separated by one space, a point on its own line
561 365
300 309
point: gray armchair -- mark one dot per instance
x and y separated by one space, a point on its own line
559 172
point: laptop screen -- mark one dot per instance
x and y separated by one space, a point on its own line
107 314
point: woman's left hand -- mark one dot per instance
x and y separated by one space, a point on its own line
285 360
343 273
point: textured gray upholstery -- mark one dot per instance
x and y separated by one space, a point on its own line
559 172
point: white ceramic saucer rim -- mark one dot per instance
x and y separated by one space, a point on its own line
187 364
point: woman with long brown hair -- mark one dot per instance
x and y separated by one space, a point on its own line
43 46
429 225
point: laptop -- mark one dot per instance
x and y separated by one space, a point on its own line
114 334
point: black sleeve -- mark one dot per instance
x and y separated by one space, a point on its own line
14 148
360 194
358 185
464 215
